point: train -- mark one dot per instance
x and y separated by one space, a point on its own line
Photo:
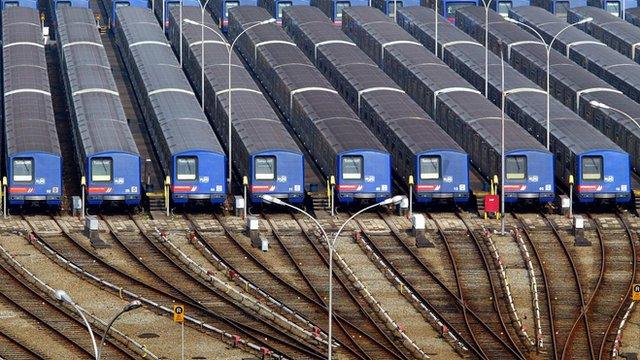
275 7
419 147
19 3
461 110
572 85
162 8
105 149
263 149
632 15
448 8
112 6
333 8
32 150
390 7
339 142
616 8
220 10
559 8
188 149
600 167
610 30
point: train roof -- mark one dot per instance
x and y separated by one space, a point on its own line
608 22
28 115
177 111
337 122
258 126
101 121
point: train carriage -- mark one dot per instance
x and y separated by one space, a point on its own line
632 15
580 150
340 144
33 160
559 8
220 10
163 8
333 8
187 147
448 8
263 149
570 84
113 5
19 3
390 7
102 138
616 8
275 7
419 147
459 109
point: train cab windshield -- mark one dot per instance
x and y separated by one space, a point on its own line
516 167
503 8
429 167
186 168
120 4
340 5
63 3
229 5
265 167
562 8
101 169
393 7
173 4
9 4
592 168
281 5
453 7
613 7
352 168
23 170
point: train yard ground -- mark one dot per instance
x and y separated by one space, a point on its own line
531 293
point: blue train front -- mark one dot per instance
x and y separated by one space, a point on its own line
614 7
363 174
277 173
22 3
558 7
220 10
442 174
502 6
448 8
333 8
34 177
113 177
389 7
603 175
529 175
199 176
170 4
275 7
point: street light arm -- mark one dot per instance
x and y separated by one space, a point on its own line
583 21
607 107
64 297
104 335
191 22
513 21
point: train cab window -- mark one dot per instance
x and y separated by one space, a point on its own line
562 8
339 6
393 7
503 8
63 3
101 169
516 167
613 8
281 5
22 170
9 4
429 167
264 167
229 5
352 168
186 168
120 4
592 168
173 4
452 8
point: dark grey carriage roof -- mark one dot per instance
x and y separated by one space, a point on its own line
257 125
178 112
28 112
611 23
340 126
496 22
100 117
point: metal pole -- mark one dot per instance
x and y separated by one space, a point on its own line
182 340
86 322
435 38
570 196
4 197
104 335
181 25
548 96
202 55
330 298
410 196
486 49
245 183
502 155
83 186
230 49
164 15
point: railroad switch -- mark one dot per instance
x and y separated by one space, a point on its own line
578 232
418 230
92 231
253 231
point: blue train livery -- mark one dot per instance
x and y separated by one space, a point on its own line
113 176
274 7
163 8
502 6
34 176
558 7
604 175
614 7
115 4
448 8
19 3
220 10
389 7
54 4
277 173
333 8
196 175
442 174
363 174
529 175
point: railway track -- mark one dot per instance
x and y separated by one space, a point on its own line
13 350
571 326
546 310
45 310
153 283
614 284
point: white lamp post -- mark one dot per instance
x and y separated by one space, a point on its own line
548 48
229 90
331 244
486 4
64 297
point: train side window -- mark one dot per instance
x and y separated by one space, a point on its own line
613 8
393 7
264 167
592 168
339 6
516 167
101 169
229 5
429 167
9 4
503 8
352 167
120 4
23 170
63 3
186 168
173 4
281 5
562 8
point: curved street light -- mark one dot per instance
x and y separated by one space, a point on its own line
331 244
64 297
135 304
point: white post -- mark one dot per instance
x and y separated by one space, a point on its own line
202 55
571 197
486 47
502 155
182 340
4 198
435 37
181 25
164 16
548 97
230 49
